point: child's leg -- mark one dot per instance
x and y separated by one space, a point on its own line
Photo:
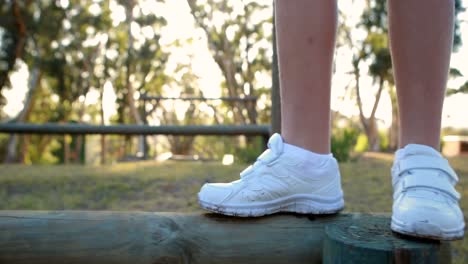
289 177
421 37
306 40
425 200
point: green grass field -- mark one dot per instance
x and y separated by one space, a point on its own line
172 186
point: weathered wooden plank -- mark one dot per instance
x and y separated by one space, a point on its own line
137 237
53 128
368 239
140 237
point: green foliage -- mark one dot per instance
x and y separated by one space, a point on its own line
3 145
251 151
362 144
383 141
457 40
343 142
454 131
78 47
376 45
462 89
43 152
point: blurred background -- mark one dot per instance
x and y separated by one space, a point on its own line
189 63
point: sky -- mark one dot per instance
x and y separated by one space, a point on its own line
181 26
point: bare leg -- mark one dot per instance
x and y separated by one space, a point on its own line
421 37
306 39
306 34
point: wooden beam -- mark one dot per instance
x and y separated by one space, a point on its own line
137 237
53 128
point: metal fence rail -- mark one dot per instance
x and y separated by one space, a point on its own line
81 129
228 99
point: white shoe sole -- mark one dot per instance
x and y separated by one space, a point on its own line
426 230
297 203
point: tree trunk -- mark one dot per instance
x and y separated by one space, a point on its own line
372 134
181 145
130 91
369 124
24 148
43 143
103 137
66 150
79 141
34 78
101 85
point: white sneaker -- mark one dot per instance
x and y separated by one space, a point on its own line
425 202
283 179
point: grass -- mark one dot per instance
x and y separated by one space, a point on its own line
172 186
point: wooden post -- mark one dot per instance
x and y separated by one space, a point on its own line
139 237
368 239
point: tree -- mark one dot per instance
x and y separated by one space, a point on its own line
13 39
73 49
39 30
239 38
141 63
455 73
374 52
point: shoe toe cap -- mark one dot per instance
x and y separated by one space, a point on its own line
214 193
443 214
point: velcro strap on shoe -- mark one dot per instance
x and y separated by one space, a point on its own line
266 157
425 162
246 171
429 180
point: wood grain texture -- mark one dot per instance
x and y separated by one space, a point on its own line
369 239
137 237
142 237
